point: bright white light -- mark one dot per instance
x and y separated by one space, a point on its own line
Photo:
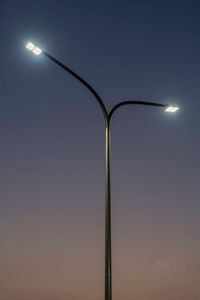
37 51
171 109
30 46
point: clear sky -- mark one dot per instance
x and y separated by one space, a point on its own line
52 150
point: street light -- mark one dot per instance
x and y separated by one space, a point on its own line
30 46
171 109
107 118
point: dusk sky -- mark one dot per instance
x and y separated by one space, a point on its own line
52 150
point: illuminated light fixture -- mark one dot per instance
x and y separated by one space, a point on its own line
30 46
36 51
171 109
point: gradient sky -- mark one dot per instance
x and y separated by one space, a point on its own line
52 150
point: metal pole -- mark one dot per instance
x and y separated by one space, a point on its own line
108 271
107 118
108 241
108 261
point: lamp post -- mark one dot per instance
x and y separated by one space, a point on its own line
107 118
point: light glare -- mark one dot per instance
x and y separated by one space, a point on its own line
171 109
37 51
30 46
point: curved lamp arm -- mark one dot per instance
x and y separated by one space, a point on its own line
107 116
80 79
130 102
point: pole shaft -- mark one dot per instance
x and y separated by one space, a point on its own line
107 117
108 262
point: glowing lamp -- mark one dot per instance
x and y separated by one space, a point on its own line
171 109
31 47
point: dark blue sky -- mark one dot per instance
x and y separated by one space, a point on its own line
52 150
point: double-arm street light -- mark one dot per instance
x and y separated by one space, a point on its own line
107 118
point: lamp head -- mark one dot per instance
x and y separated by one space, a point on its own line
33 48
171 109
